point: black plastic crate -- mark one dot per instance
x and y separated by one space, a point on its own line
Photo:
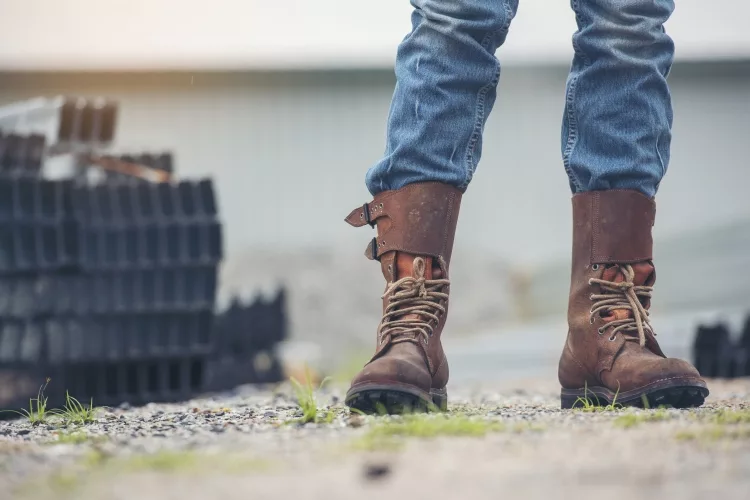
22 154
713 351
136 382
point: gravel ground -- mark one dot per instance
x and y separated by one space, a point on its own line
246 445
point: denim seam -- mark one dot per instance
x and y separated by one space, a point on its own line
569 99
481 99
661 163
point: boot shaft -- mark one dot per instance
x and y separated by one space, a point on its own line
416 226
609 227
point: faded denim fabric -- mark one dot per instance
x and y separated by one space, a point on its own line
617 118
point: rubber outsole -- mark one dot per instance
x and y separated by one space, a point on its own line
677 396
388 400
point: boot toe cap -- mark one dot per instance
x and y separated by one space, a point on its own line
389 371
651 372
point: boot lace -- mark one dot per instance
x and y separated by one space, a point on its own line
623 295
415 297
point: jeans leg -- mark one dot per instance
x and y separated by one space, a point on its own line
618 111
446 76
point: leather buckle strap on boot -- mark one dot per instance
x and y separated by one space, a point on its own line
611 353
419 219
415 231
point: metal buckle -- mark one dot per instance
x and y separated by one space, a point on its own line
368 219
374 249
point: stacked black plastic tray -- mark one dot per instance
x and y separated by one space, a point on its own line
38 243
717 353
147 284
22 155
108 289
246 336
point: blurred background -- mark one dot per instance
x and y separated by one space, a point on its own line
284 106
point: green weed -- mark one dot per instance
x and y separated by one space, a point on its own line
588 405
38 412
74 412
305 394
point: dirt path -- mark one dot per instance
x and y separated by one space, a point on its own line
511 441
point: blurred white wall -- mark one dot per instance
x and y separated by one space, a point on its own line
262 34
289 150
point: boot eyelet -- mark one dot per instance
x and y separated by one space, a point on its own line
592 319
591 297
591 282
601 331
613 338
595 267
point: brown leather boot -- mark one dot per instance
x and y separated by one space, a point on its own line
611 353
416 226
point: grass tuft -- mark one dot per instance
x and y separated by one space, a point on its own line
588 405
38 413
305 394
74 412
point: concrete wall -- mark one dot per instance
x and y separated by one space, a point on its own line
284 146
289 152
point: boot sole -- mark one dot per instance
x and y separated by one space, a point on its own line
395 400
677 393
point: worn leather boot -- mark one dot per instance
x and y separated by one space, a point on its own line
611 354
415 227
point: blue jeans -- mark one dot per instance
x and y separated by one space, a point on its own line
617 120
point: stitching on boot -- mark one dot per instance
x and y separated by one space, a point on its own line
594 226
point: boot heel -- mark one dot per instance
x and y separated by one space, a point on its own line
440 399
568 402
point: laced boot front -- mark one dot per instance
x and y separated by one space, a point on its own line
409 370
611 353
414 306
